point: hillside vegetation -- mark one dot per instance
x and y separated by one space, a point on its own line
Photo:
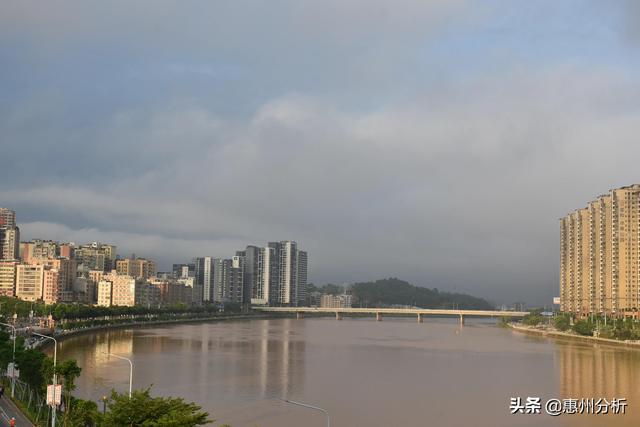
393 291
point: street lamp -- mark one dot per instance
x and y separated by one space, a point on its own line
13 374
304 405
104 405
130 369
55 376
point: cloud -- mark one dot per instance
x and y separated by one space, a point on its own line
430 140
169 24
462 191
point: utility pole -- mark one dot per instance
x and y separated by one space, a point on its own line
55 375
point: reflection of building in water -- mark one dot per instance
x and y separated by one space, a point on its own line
280 360
599 372
116 342
90 352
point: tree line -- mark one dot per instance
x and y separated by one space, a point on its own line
393 291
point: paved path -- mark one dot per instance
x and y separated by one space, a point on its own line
8 410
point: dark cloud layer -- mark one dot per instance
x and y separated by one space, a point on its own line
420 141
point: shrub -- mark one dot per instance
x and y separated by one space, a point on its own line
584 327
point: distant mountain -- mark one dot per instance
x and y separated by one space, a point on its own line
394 291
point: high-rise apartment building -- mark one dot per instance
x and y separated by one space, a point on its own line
302 277
249 272
9 235
600 256
220 278
256 274
275 275
287 288
9 243
203 290
7 218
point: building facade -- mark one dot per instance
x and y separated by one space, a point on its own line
140 268
8 278
29 281
203 285
336 301
9 243
96 256
600 256
7 218
38 249
117 290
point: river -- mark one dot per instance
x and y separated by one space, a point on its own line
365 373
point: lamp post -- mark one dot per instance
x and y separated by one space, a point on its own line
130 369
55 376
304 405
13 373
104 405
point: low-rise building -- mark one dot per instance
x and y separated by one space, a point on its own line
117 290
336 301
140 268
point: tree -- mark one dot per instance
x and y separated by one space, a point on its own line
394 291
146 411
533 319
84 413
68 371
584 327
30 362
562 322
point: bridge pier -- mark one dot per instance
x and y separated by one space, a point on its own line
461 320
338 315
420 319
379 317
299 315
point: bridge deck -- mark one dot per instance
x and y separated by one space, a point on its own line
416 311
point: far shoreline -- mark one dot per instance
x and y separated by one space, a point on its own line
62 336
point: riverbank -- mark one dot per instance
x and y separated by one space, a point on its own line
64 334
558 334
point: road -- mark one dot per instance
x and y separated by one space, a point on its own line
8 410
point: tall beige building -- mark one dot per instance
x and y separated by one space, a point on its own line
29 281
8 278
600 256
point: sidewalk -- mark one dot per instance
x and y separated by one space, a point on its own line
8 410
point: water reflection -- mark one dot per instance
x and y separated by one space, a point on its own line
396 372
600 371
256 361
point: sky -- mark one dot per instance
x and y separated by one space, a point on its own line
437 141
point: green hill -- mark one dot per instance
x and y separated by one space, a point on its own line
392 291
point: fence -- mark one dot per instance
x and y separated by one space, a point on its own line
32 401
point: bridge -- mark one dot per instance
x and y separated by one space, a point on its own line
420 313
